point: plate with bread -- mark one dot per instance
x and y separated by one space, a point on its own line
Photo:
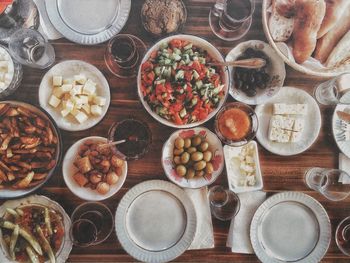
289 123
312 36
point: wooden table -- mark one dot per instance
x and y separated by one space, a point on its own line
279 173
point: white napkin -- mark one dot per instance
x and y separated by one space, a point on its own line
344 164
204 237
239 234
46 28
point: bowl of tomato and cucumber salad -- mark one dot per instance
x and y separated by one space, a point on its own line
178 85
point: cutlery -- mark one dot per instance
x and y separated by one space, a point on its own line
244 63
343 115
342 125
344 136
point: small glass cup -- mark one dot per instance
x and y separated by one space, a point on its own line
334 184
231 19
123 55
31 49
138 138
220 124
332 91
342 236
224 204
92 223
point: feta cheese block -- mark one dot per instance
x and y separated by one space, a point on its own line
295 136
289 109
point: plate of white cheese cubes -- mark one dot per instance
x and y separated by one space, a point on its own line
75 94
243 168
289 123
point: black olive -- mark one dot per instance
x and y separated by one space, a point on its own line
266 77
245 87
251 92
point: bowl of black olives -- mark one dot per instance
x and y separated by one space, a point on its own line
256 86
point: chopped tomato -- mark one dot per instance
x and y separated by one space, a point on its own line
176 43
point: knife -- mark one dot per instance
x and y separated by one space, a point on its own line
343 115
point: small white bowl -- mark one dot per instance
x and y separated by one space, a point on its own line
233 170
276 71
215 147
69 169
68 69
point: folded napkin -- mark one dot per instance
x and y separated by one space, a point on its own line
46 28
204 237
239 234
344 164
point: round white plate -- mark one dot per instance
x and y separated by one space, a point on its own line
67 244
155 221
88 22
69 169
212 51
67 69
290 227
276 71
215 148
311 130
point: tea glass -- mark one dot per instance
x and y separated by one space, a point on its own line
342 236
231 19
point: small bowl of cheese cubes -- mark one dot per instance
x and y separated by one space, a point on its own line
76 95
10 73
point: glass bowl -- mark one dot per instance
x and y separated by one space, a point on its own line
247 115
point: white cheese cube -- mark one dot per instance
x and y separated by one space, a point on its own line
96 110
65 112
57 80
86 108
89 87
75 111
99 100
76 90
66 88
58 92
81 117
54 101
91 98
80 79
68 81
84 99
68 105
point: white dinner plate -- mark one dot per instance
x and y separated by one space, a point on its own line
69 169
155 221
67 69
63 253
289 95
290 227
88 22
276 71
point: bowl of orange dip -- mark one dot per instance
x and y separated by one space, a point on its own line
236 124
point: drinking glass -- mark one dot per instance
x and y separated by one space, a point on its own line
342 236
92 223
334 184
31 49
231 19
224 204
331 91
123 55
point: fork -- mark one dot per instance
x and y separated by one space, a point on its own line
343 136
342 125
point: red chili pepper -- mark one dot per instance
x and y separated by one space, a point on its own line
177 119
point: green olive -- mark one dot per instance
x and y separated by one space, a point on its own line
196 140
179 143
177 160
200 165
185 157
178 151
207 155
191 150
181 170
190 173
197 156
209 169
204 146
187 143
199 173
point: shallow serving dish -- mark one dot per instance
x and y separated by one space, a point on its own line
212 51
276 71
69 169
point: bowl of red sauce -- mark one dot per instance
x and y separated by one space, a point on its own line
236 124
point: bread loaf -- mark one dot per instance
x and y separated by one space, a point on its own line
281 28
341 53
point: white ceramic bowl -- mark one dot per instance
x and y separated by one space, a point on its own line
215 147
276 71
69 169
212 51
67 69
302 68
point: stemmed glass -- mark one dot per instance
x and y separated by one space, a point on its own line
334 184
231 19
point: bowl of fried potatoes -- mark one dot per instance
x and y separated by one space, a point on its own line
30 148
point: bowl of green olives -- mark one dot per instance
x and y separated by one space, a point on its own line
193 158
256 86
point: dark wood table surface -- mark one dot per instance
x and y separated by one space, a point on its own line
279 173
